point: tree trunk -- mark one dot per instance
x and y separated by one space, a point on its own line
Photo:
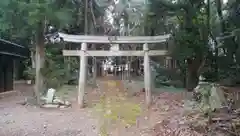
193 72
192 79
220 15
94 67
33 59
39 61
223 29
94 59
86 18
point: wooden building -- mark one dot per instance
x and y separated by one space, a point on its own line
9 52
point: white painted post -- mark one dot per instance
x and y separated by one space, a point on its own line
147 75
82 77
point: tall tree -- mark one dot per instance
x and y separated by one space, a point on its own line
31 22
191 35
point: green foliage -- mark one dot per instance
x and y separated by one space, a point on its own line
188 23
168 77
188 45
54 75
39 11
29 72
55 72
19 20
191 43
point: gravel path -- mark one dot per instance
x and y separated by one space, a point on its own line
19 120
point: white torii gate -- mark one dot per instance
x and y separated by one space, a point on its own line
83 53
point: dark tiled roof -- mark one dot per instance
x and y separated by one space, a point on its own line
13 49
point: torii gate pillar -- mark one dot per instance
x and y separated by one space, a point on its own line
82 76
147 75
